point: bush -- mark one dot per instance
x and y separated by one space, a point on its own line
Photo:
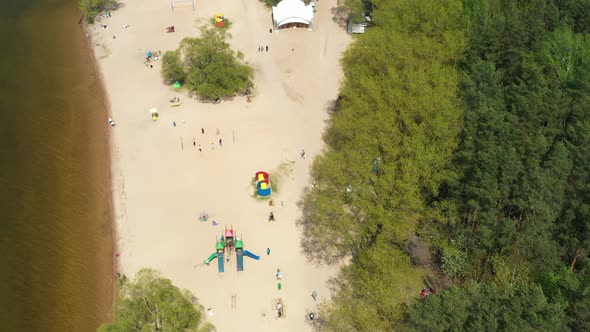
92 8
454 262
271 3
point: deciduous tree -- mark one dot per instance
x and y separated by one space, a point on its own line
208 66
151 303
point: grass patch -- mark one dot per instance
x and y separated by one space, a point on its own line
279 175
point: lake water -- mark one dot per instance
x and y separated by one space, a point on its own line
55 217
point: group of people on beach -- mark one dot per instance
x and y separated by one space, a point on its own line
279 306
220 141
152 56
279 277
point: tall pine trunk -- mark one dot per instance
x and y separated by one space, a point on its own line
575 259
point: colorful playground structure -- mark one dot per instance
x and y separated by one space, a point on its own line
220 21
263 187
224 248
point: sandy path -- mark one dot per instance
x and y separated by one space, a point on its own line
160 187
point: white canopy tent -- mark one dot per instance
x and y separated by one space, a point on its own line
292 13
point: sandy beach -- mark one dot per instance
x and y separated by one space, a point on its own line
162 182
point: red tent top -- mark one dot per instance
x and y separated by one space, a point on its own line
229 233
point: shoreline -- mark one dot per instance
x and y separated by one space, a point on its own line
108 164
158 188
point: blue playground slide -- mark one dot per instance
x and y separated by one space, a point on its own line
251 255
240 259
220 261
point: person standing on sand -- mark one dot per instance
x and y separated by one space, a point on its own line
314 294
271 217
194 142
302 154
267 48
220 143
267 251
200 150
202 130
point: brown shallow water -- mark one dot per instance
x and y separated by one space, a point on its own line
55 217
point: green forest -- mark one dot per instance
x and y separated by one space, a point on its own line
458 159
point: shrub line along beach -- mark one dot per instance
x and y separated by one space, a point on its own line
162 182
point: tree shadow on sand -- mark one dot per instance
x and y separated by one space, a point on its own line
317 249
340 16
319 244
317 324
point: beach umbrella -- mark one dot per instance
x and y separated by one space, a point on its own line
176 85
